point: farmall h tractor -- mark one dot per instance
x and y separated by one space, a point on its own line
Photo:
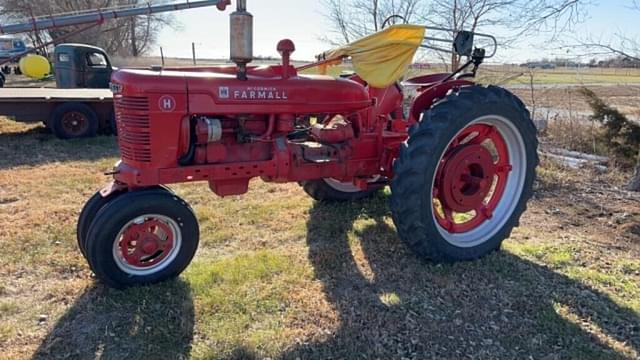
460 164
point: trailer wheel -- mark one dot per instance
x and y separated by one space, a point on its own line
465 174
142 237
74 120
333 190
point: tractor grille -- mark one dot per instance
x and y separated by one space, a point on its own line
134 130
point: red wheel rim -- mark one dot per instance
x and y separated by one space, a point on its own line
75 123
471 179
146 243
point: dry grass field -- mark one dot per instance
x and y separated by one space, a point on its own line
278 275
515 75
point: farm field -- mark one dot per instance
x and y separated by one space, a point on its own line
278 275
569 76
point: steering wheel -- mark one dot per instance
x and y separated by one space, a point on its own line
393 20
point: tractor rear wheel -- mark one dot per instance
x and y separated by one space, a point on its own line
142 237
464 176
333 190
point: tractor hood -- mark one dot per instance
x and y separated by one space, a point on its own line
134 82
214 91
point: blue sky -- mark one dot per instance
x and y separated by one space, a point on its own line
302 21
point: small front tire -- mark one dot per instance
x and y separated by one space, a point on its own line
88 213
91 209
142 237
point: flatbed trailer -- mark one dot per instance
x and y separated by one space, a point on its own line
69 113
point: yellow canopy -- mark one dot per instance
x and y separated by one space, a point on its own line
382 58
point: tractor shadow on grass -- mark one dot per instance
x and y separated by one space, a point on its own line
154 322
37 146
400 307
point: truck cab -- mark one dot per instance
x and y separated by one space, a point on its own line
11 46
81 66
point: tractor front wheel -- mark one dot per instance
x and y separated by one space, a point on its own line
91 209
142 237
465 174
88 213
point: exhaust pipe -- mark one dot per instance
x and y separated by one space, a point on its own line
241 38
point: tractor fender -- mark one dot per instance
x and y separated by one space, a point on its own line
430 95
111 188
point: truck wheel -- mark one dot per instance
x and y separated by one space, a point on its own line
333 190
142 237
74 120
465 174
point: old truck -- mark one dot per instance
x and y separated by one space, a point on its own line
460 163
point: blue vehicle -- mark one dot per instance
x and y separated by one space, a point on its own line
11 46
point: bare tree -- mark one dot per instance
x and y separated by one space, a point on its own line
620 45
466 15
355 18
126 36
521 18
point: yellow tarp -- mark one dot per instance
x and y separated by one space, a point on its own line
382 58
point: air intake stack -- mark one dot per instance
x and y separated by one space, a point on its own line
242 38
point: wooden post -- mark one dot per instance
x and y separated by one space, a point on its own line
162 55
193 50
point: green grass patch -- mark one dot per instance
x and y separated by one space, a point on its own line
7 332
390 299
629 267
8 308
558 256
243 302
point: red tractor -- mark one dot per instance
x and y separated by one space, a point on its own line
460 164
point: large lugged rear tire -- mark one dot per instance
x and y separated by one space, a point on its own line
464 176
142 237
